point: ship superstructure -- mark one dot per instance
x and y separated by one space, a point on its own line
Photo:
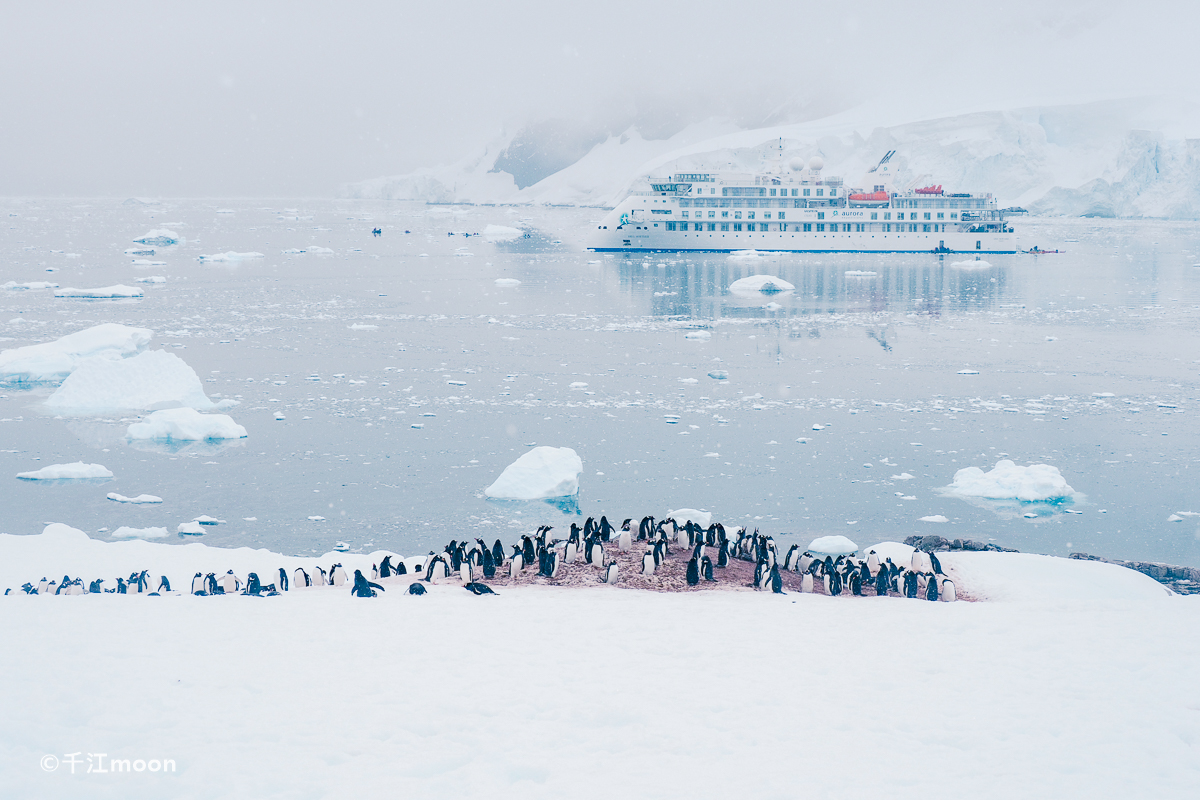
799 210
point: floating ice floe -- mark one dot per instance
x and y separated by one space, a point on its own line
971 264
160 237
760 284
933 518
102 293
152 279
701 335
141 499
149 381
125 532
53 361
1008 481
317 518
502 233
189 529
205 519
684 515
30 285
362 327
744 255
185 424
541 474
968 372
832 546
230 256
507 282
903 476
772 306
719 375
77 471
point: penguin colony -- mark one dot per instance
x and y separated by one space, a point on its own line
651 554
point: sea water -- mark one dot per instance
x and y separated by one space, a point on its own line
384 385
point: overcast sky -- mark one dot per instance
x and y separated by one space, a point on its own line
239 98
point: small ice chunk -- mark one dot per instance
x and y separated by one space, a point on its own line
934 518
684 515
818 427
190 529
185 424
689 380
903 476
968 372
701 335
542 473
125 532
1007 480
719 375
358 326
760 284
205 519
832 546
507 282
76 471
140 499
316 518
160 237
152 279
30 285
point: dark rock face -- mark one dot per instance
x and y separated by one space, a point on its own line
931 544
1185 580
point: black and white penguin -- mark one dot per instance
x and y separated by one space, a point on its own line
121 586
230 583
660 552
604 529
516 565
140 581
645 527
919 562
253 585
947 592
41 587
937 565
931 588
804 562
337 575
363 587
648 563
555 561
210 584
466 573
301 579
95 588
762 574
610 574
882 582
693 572
527 550
498 554
806 583
855 583
706 569
489 564
319 577
910 585
385 567
792 558
283 580
594 552
164 585
401 569
570 551
625 541
478 588
416 588
198 584
776 580
872 563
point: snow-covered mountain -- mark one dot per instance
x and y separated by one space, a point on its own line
1128 158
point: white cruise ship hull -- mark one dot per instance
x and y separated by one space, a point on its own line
648 239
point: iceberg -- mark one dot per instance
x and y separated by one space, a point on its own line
160 237
77 471
1008 481
760 284
683 515
148 381
103 293
53 361
540 474
186 424
832 546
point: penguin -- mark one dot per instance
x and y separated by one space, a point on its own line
937 565
210 584
230 583
66 582
253 586
27 588
648 563
164 585
589 528
931 588
198 584
855 583
910 585
660 553
385 567
706 569
693 572
570 551
804 562
864 575
644 529
363 587
917 563
527 551
515 566
41 589
882 582
95 588
610 574
806 583
400 568
835 583
301 579
554 561
489 564
337 575
121 587
948 594
140 580
319 577
464 573
776 580
283 581
416 588
498 554
625 541
479 588
872 563
723 556
792 558
374 572
605 529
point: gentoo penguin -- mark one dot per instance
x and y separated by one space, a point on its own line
693 572
625 541
95 588
882 580
723 555
610 574
589 527
937 565
828 583
873 563
400 568
27 588
198 584
806 583
121 587
464 573
320 577
931 588
489 564
706 569
385 567
948 594
374 572
363 587
527 550
595 553
141 580
776 580
804 562
164 585
569 552
283 581
918 563
337 575
648 563
855 583
554 561
660 552
230 583
515 565
498 553
416 588
301 579
253 585
41 588
762 574
605 529
210 584
478 588
910 585
792 557
645 527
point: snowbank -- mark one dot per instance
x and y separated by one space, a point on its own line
832 546
139 533
53 361
148 381
67 472
160 237
898 552
540 474
760 284
701 518
103 293
186 424
1010 481
502 233
230 256
1037 579
141 499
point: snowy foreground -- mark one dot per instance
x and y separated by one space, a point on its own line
1066 679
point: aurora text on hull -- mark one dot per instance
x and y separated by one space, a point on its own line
798 210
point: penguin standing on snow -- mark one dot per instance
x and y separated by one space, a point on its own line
693 572
210 584
94 586
301 579
723 555
610 574
806 583
910 585
872 563
937 565
416 588
198 584
776 580
253 585
164 585
516 564
855 583
337 575
121 587
385 567
478 589
835 583
527 551
498 553
625 540
363 587
605 529
319 577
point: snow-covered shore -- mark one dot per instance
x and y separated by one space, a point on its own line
582 692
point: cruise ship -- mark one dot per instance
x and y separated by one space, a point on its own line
798 210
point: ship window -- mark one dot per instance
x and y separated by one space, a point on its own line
795 192
820 192
750 215
724 214
820 227
978 244
782 215
821 215
925 229
767 215
737 226
808 227
806 191
699 226
724 226
926 215
773 192
724 192
887 215
670 226
953 215
712 214
712 226
941 215
683 214
874 215
737 215
913 215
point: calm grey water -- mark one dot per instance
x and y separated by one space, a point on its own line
1088 360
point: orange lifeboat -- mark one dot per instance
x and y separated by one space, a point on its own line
871 197
931 190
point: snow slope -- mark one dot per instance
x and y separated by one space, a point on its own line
150 380
54 361
317 694
1127 158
